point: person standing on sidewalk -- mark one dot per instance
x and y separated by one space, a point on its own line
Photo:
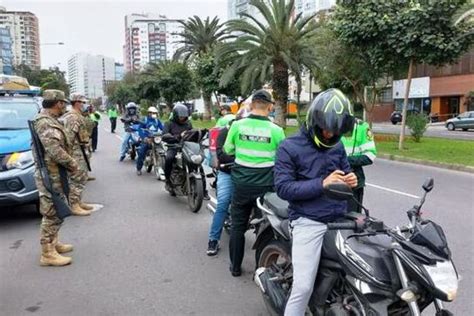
75 126
57 154
361 152
95 117
254 142
113 114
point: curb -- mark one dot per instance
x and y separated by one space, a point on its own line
427 163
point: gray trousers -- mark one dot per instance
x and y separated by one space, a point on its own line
308 236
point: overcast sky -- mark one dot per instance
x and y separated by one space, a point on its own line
97 26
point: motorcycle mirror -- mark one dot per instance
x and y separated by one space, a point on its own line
428 185
338 191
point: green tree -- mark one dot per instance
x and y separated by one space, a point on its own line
52 78
200 37
413 32
270 47
122 94
174 81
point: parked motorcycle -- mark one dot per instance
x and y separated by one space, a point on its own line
187 173
366 268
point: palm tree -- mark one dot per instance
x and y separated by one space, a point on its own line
274 47
199 39
466 15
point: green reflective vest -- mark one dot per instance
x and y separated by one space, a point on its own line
113 113
360 149
254 142
95 117
224 121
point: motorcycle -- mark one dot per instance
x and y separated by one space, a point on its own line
366 268
187 172
155 155
133 141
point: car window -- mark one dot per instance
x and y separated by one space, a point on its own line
15 114
464 115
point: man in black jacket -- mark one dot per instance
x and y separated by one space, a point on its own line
173 131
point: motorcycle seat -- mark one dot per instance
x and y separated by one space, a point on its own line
277 205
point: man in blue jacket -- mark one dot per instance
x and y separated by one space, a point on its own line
151 125
305 164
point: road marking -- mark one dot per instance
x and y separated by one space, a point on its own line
118 136
392 191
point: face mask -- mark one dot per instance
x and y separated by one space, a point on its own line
154 116
69 108
84 107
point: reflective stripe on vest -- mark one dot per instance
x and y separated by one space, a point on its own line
266 164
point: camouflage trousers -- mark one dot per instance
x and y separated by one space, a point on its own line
50 224
77 182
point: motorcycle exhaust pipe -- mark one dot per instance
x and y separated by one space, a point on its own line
211 207
257 279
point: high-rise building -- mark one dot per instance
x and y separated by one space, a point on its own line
24 32
235 9
6 55
310 7
149 38
119 71
88 74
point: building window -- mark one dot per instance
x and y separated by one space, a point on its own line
386 95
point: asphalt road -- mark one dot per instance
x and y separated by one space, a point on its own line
144 252
438 131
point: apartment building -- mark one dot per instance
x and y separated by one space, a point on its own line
24 32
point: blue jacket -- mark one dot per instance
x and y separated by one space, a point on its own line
299 172
148 125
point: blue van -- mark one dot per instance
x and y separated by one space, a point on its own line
17 184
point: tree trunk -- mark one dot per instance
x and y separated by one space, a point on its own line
298 99
405 105
280 89
207 97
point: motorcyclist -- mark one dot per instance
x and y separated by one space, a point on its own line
225 187
226 116
172 133
131 116
148 127
254 141
360 149
305 164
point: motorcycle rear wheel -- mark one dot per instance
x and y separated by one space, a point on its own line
195 194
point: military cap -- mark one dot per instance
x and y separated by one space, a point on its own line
77 97
54 95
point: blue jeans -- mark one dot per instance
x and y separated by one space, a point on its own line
141 155
126 137
225 187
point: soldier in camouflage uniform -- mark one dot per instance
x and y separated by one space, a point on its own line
75 126
58 152
89 123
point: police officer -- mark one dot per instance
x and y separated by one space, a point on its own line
95 117
254 141
361 151
226 116
75 126
58 152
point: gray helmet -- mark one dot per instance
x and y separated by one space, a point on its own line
180 111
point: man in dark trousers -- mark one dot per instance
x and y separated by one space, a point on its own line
254 142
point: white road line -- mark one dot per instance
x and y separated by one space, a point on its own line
392 191
118 136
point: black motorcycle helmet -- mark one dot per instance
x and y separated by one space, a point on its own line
331 111
180 113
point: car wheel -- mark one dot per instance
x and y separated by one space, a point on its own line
450 126
465 129
394 122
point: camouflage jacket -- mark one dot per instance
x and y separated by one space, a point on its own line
76 131
58 150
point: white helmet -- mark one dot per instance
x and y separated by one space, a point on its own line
152 109
131 105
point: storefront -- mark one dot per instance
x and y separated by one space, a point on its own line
419 100
449 95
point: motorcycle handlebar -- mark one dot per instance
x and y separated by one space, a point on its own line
345 226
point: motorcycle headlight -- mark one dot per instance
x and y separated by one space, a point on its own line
196 159
19 160
444 277
157 139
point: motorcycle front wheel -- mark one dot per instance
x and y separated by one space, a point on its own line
195 194
133 153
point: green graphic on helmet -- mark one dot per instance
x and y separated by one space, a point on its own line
329 117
